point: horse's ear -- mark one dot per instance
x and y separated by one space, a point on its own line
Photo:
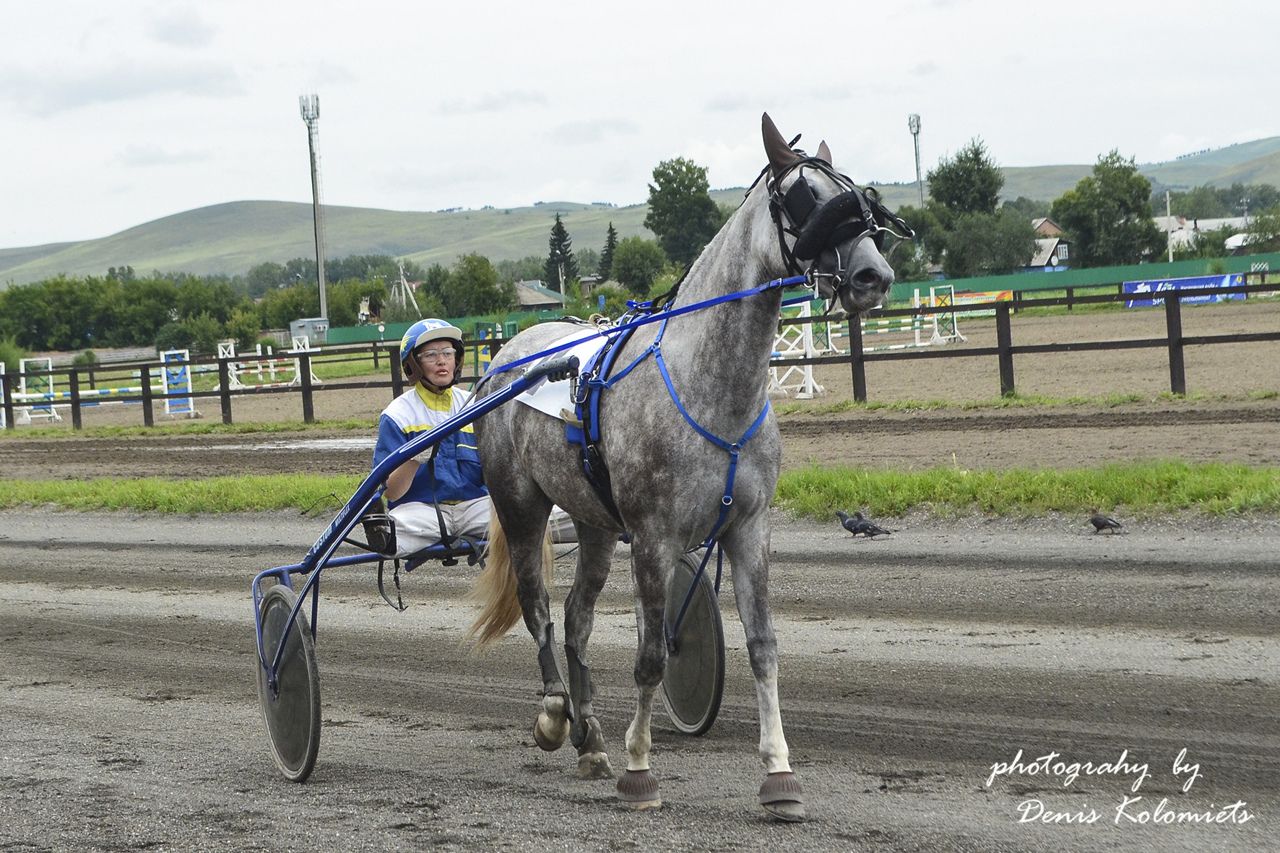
824 153
780 154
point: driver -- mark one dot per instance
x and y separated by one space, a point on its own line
441 493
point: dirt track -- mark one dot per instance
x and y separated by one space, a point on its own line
910 666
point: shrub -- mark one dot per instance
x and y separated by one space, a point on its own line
11 354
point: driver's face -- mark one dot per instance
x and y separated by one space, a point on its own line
436 360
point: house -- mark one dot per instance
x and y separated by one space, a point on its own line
1052 254
1184 232
1046 227
534 295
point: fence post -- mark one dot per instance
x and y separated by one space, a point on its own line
1071 295
224 388
857 362
1004 346
397 375
8 400
73 380
308 405
375 357
144 374
1173 323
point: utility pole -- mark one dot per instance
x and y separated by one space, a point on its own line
309 105
913 124
1168 217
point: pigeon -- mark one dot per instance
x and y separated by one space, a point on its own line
1102 522
857 524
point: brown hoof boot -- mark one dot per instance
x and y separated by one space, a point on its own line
638 789
782 797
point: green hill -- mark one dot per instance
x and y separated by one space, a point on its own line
232 237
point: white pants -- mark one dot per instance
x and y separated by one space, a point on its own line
417 525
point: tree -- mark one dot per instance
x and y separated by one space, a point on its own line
473 288
988 243
968 183
636 263
1027 208
681 211
561 266
606 256
1263 233
1108 215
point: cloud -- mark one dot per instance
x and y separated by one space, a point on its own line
728 102
180 28
47 93
493 102
154 155
590 132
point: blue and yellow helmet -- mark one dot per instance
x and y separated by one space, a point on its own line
426 330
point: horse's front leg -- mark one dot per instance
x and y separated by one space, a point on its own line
747 545
595 550
638 787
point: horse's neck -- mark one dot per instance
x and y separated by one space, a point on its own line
723 351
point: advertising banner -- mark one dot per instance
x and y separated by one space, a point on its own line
1162 285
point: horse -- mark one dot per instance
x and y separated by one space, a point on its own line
670 478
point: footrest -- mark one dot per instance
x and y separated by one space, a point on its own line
380 533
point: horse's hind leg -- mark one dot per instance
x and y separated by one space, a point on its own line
650 565
530 549
595 550
747 545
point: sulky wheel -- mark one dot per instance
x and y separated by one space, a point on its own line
292 710
694 680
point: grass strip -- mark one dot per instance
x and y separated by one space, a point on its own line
1141 488
307 492
180 428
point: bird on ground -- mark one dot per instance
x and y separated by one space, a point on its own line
1102 522
856 524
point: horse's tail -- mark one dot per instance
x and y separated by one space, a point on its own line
496 588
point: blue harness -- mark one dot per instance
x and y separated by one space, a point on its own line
597 375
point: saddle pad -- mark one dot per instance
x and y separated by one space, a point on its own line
553 398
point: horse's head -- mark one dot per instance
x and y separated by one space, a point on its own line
830 228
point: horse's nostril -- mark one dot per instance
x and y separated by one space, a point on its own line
869 278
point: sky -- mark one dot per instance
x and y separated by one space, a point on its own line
115 114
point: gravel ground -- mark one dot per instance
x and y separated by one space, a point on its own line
911 665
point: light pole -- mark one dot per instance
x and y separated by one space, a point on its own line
309 106
913 125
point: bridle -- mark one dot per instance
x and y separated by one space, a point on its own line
851 215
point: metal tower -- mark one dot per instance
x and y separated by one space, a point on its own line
309 105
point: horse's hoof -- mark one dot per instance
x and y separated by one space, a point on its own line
782 797
594 765
550 735
638 789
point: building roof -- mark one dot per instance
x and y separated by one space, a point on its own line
1046 227
535 294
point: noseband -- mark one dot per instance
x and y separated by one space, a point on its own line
851 215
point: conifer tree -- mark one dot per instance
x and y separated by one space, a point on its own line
606 257
561 265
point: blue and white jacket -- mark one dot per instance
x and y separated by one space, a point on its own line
457 468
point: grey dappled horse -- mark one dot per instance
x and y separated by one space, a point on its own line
669 481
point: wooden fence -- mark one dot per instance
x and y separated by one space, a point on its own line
1003 354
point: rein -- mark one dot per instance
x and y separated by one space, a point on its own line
649 315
